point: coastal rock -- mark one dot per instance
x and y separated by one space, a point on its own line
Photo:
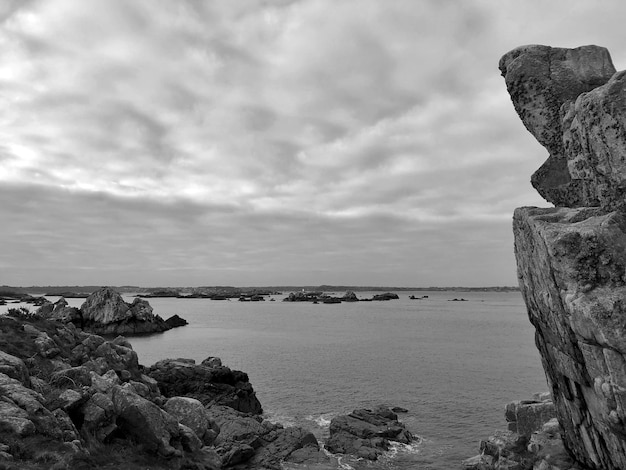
571 260
61 311
571 264
349 296
105 312
209 385
191 413
175 321
386 296
536 443
89 406
528 416
145 421
14 367
544 84
247 439
366 433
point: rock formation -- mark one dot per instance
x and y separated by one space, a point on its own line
533 440
209 382
105 312
366 433
572 258
70 399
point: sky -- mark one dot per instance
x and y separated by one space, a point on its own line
270 142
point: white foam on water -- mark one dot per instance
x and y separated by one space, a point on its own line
397 448
323 421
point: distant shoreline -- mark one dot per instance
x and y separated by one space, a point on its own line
59 290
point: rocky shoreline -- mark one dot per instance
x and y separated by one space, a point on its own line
532 441
71 399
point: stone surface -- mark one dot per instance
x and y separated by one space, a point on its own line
571 264
526 417
13 367
571 259
105 312
245 439
191 413
209 385
548 88
366 433
145 421
534 446
175 321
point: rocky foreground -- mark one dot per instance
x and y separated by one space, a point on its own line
531 442
571 259
70 399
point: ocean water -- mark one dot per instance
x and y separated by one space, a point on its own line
453 365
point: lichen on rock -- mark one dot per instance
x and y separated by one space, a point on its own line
571 259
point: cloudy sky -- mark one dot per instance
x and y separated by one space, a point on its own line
265 142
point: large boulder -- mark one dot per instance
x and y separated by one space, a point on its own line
247 440
191 413
207 383
14 367
145 422
366 433
544 84
105 312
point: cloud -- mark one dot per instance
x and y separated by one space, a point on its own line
249 139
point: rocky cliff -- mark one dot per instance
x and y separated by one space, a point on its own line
572 258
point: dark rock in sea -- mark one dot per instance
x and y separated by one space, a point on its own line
385 296
175 321
350 297
399 409
208 382
571 260
331 300
366 433
457 300
106 312
303 296
252 442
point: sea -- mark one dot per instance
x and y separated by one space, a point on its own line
453 365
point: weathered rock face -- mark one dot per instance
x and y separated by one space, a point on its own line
572 260
366 433
545 85
209 382
106 313
571 265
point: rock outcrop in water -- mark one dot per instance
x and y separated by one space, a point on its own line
366 433
572 258
105 312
